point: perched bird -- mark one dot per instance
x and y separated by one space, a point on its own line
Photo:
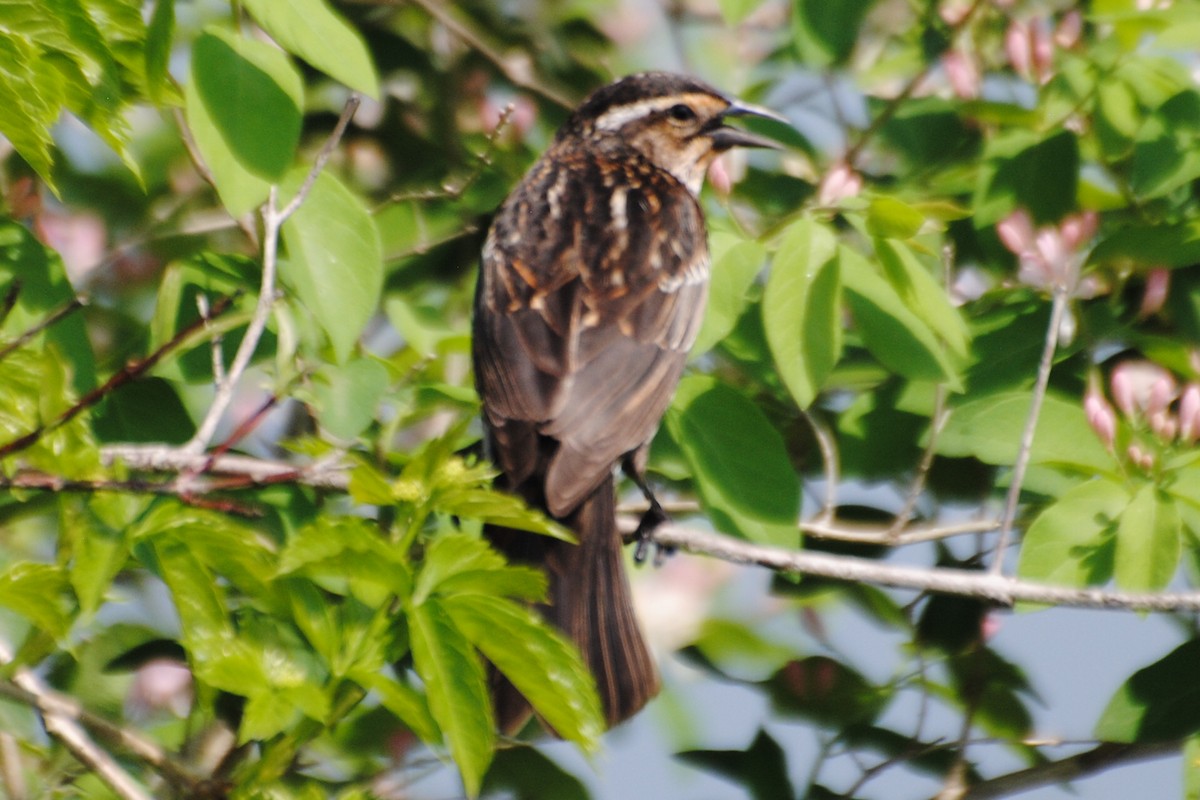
592 290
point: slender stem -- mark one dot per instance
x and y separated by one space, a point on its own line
829 455
59 313
904 515
1058 307
273 219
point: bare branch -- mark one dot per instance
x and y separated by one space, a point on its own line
1057 309
273 219
126 374
255 471
61 718
518 76
63 311
829 457
987 586
335 136
1098 759
189 144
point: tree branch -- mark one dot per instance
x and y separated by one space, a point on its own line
964 583
518 76
59 313
1099 758
273 219
1057 309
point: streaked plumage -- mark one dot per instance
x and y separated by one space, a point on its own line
592 290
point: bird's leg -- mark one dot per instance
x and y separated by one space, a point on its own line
634 466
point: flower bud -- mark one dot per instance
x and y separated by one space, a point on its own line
1101 417
1189 414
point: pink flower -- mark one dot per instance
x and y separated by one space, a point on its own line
963 74
838 184
1100 416
1142 387
1069 30
1016 232
1050 256
160 684
1158 285
1189 414
1018 46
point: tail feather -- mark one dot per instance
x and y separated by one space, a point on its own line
591 602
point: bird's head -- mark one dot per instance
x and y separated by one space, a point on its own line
678 123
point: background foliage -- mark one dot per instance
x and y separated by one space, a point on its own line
954 327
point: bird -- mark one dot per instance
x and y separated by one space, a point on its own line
592 288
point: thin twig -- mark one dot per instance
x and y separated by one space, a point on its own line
875 534
518 76
128 373
335 136
218 354
63 724
917 487
1097 759
189 144
63 311
454 191
1057 309
12 777
991 587
273 219
251 471
829 457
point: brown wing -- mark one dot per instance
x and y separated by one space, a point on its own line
593 289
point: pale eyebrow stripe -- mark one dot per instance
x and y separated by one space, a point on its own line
615 118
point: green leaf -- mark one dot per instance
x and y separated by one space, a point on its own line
526 773
761 769
409 705
456 687
1149 544
825 31
543 665
1022 170
39 593
98 552
457 562
199 599
1150 246
801 309
1070 543
733 273
1165 156
990 428
1158 703
890 218
31 100
244 106
751 491
335 263
348 395
347 554
827 691
923 293
902 341
44 288
158 47
734 11
311 30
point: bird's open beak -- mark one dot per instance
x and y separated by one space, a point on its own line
726 137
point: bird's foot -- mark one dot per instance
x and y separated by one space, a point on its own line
644 535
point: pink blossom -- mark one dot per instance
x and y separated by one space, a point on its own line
718 176
1070 29
838 184
1140 457
1141 386
1123 390
963 73
1158 285
954 11
1100 416
1019 47
1189 414
160 684
1162 392
1078 229
1016 232
1043 50
1164 425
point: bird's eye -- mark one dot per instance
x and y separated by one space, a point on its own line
681 113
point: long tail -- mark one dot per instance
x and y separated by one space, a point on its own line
591 602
